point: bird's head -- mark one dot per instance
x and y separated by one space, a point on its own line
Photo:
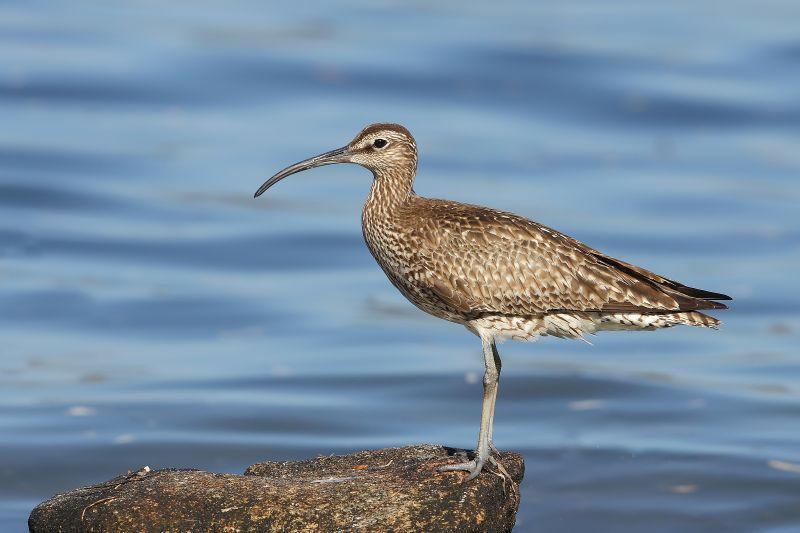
384 149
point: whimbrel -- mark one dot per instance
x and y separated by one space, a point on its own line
499 274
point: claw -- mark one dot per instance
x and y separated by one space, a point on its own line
474 468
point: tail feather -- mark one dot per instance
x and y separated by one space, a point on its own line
698 319
651 321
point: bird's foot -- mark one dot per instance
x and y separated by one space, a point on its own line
502 473
474 468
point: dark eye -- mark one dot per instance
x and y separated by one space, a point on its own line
379 143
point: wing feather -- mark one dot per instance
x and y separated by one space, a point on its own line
482 261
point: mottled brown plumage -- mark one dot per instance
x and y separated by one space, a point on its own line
499 274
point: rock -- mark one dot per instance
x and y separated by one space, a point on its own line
394 489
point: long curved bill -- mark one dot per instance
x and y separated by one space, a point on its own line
328 158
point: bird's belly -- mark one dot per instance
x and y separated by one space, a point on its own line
528 328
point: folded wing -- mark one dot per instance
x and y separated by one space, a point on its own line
483 261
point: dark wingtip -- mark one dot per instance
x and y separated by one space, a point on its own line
706 295
703 295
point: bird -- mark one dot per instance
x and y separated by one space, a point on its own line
501 275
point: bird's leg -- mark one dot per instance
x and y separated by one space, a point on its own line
490 377
498 365
495 461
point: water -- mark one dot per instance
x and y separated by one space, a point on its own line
154 314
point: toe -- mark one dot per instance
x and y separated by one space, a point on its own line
475 472
468 466
472 467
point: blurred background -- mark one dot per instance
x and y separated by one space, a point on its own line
154 314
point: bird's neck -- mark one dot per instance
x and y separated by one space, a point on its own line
390 190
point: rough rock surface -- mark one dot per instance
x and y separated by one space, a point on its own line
394 489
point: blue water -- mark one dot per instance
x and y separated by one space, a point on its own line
154 314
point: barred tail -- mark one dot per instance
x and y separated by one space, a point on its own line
696 318
651 321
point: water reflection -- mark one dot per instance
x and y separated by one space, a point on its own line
154 314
